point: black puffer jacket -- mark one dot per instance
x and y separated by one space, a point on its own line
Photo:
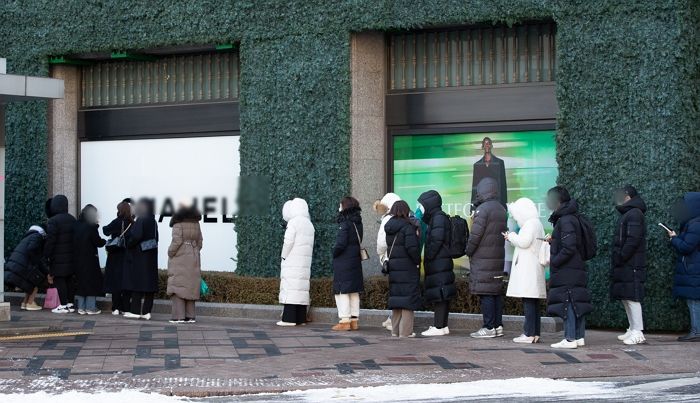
87 265
486 245
404 264
25 267
439 267
568 278
347 264
114 268
629 252
58 249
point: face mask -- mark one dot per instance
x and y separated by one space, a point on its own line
340 208
421 208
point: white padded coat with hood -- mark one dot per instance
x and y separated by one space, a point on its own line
388 201
297 253
527 274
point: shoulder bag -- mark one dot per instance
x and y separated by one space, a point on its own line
150 244
119 242
363 252
385 263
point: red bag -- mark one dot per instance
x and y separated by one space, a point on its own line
51 301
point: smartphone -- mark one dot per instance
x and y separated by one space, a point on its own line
665 227
541 239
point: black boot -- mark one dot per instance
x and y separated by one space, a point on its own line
690 337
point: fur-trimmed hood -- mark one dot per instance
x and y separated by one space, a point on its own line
383 206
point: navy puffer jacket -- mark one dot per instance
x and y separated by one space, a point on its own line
686 281
439 267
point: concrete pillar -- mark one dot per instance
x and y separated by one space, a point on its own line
368 131
63 147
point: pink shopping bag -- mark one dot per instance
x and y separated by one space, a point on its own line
51 301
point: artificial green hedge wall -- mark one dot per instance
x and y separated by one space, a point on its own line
627 91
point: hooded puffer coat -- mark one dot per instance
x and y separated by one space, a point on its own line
297 253
184 264
568 278
384 206
347 263
25 267
527 274
486 245
58 248
439 267
629 252
686 281
404 265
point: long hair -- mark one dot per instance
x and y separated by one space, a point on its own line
349 202
124 211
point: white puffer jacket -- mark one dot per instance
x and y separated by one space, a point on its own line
387 201
297 252
527 274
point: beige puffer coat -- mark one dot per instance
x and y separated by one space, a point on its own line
184 266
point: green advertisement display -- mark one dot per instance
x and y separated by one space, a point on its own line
523 162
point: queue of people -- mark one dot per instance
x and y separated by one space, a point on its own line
403 238
64 253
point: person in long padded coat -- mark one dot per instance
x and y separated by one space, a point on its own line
25 268
141 270
440 286
382 208
486 251
184 264
58 250
116 259
629 260
404 269
87 265
569 297
527 279
347 264
686 280
297 253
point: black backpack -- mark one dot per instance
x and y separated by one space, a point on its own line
588 238
459 236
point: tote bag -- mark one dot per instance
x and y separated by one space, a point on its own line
51 301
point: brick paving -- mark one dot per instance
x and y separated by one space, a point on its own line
223 355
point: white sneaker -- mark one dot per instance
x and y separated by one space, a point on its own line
93 312
433 331
526 339
636 337
446 330
499 331
624 336
33 307
286 324
60 309
130 315
82 311
116 312
176 321
580 342
146 316
387 325
70 305
484 333
565 344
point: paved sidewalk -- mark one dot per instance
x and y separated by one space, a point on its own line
227 356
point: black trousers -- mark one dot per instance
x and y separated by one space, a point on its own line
63 286
121 300
531 306
294 314
136 306
442 313
492 310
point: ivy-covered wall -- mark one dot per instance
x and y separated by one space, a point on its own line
627 90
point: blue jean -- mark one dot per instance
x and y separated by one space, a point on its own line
86 303
694 310
574 327
492 310
532 326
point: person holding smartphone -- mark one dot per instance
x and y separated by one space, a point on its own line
686 281
628 261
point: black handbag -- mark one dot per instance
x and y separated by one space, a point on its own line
385 263
117 243
150 244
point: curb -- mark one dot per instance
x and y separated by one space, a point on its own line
368 317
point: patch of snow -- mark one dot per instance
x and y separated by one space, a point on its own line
519 387
101 397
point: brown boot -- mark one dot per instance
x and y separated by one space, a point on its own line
355 324
341 327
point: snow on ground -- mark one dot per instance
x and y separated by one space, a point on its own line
102 397
520 387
